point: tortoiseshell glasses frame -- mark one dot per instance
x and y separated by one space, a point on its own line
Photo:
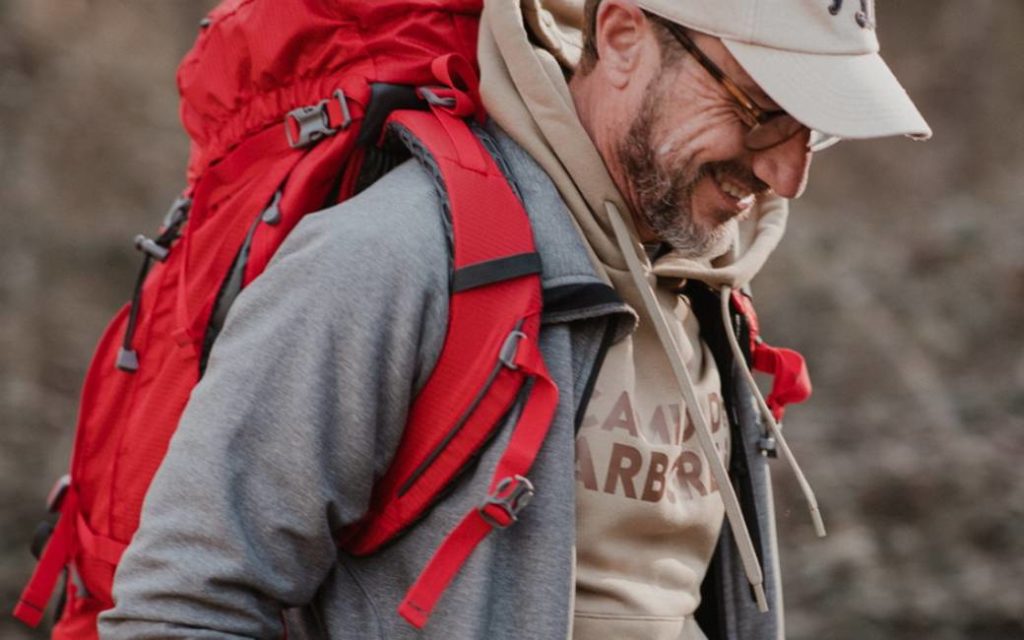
767 128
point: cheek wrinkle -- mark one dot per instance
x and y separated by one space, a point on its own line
670 143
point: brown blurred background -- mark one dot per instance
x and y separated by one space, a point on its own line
901 279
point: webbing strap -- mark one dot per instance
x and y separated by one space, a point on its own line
480 320
59 551
98 546
268 155
498 270
194 303
527 437
791 383
465 381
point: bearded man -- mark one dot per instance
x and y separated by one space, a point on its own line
655 157
684 129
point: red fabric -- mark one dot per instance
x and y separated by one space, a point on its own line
261 58
480 321
526 440
60 549
257 61
791 382
459 81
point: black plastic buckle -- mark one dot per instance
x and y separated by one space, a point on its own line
508 352
313 123
510 496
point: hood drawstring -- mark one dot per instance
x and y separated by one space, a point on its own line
769 418
748 555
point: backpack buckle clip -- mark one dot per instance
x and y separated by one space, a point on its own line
507 355
308 124
502 507
312 123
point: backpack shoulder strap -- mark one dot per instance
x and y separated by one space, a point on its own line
490 360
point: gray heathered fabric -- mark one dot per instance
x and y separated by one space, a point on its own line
742 620
301 407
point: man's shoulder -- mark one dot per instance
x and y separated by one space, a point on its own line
393 229
400 213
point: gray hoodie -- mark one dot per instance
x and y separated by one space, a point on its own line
302 406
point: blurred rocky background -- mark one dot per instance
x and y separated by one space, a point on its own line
901 280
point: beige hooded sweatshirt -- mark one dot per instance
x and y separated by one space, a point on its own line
652 484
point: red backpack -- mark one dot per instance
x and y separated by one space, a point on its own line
286 104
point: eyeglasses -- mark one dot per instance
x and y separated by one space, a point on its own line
766 128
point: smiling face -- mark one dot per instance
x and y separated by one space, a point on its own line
681 199
673 137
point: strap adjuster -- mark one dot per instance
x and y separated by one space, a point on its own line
433 98
309 124
509 349
501 509
346 115
455 101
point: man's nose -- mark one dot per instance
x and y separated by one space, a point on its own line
784 167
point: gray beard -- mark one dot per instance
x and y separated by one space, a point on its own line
663 195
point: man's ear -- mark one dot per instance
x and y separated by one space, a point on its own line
620 38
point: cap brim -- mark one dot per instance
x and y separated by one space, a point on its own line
850 96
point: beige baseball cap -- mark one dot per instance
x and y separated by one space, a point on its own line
818 59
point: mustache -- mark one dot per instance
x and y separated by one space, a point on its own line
737 173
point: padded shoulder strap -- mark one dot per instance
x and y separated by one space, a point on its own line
489 357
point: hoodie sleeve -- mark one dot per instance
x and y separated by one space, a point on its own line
302 405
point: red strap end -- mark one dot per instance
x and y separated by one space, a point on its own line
28 613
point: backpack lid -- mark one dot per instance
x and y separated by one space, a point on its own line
256 60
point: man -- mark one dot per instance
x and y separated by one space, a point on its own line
666 159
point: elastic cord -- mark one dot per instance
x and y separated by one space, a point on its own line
805 487
133 314
734 514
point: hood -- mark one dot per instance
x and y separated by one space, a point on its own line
527 50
